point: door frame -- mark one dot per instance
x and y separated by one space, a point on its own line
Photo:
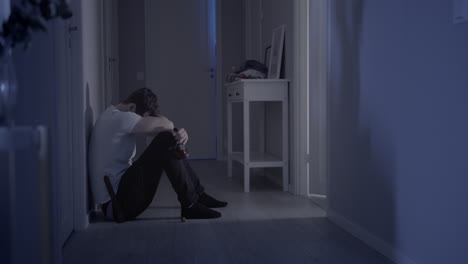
110 52
303 155
64 114
300 151
221 155
318 85
212 24
70 118
79 164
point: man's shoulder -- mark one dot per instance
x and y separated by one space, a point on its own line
113 111
114 114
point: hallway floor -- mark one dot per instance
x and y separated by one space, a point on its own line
263 226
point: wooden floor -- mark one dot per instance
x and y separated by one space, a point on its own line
263 226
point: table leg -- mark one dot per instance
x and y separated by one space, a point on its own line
246 146
285 126
229 139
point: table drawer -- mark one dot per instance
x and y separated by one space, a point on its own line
258 90
235 93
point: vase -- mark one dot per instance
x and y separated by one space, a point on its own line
8 89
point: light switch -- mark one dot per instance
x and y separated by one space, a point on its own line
460 11
140 76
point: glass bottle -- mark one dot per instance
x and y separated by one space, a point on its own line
180 149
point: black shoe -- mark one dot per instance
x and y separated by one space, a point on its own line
211 202
198 211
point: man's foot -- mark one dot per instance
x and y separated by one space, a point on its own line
211 202
199 211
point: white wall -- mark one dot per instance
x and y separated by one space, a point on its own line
254 49
231 41
131 27
131 31
398 125
92 74
277 13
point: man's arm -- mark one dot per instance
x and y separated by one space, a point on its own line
151 125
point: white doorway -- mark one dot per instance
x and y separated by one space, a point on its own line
181 68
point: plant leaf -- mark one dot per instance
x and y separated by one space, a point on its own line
37 24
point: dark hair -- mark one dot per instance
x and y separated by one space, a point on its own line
145 101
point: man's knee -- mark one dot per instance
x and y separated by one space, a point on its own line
164 137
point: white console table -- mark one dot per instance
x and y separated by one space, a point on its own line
258 90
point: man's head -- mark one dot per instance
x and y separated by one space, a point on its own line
143 102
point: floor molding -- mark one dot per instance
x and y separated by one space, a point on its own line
368 238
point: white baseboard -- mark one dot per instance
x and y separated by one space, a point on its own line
368 238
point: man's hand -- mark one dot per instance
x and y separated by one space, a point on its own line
181 136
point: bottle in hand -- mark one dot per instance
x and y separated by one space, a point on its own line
180 149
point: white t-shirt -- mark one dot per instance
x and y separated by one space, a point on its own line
111 150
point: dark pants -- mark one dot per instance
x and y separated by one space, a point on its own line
139 183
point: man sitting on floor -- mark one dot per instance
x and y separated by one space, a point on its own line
112 148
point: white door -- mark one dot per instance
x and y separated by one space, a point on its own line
180 52
64 102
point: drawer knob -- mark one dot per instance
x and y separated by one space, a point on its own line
237 93
229 95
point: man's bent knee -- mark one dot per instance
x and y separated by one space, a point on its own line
163 137
166 135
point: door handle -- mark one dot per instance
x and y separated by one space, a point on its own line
72 28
